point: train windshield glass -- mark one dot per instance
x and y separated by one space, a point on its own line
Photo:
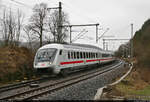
45 55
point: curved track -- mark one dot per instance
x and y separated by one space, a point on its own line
57 85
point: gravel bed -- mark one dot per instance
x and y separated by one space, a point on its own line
11 92
26 88
85 90
22 89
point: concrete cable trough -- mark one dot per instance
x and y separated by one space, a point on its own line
100 90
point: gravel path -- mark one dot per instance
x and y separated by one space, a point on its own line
85 90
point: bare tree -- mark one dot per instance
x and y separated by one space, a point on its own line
37 21
19 26
53 26
11 27
8 26
29 33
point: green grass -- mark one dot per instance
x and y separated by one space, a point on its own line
127 89
145 91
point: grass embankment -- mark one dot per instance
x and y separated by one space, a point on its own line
15 64
134 84
138 81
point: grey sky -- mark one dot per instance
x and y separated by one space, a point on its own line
117 15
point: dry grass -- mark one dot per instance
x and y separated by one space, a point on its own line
133 84
13 59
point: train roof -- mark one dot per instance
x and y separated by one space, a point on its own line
86 46
74 45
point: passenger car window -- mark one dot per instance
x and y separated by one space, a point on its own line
77 55
60 52
87 55
72 55
68 55
84 54
81 55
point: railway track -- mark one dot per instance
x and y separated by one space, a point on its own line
22 84
39 92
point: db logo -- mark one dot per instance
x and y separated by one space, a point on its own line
42 64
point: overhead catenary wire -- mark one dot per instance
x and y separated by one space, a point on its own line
75 11
78 14
8 7
65 5
21 3
79 35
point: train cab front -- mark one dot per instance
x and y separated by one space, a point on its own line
44 60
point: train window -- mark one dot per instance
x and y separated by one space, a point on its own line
102 55
87 55
92 55
78 55
105 55
96 55
81 55
68 55
72 55
99 55
84 54
60 53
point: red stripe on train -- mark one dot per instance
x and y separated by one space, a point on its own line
91 60
105 59
72 62
98 60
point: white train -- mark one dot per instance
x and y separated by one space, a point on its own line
62 57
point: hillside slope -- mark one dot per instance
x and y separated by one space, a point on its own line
15 63
137 83
142 45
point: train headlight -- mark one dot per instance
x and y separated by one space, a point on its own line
50 62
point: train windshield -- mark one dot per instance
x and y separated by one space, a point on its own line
45 55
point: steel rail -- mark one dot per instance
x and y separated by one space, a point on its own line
57 85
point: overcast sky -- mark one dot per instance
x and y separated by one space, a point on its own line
117 15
